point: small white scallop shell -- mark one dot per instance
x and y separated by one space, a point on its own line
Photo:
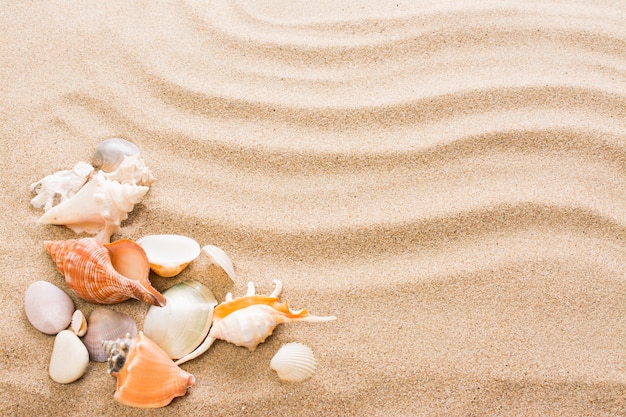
294 362
169 254
69 360
48 308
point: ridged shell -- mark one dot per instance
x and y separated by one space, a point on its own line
294 362
146 376
182 325
104 273
169 254
98 207
48 308
105 324
69 359
110 153
249 320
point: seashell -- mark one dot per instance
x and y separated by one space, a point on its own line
104 273
105 324
78 323
98 207
109 154
69 360
59 186
221 259
182 325
48 308
294 362
132 170
146 376
249 320
169 254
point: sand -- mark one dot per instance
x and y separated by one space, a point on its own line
447 178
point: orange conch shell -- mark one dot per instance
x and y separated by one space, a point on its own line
249 320
146 376
105 273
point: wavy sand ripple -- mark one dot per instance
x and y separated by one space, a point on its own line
447 178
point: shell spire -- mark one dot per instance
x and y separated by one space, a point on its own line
105 273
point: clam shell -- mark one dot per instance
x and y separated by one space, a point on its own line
110 153
169 254
221 259
182 325
146 376
69 359
105 324
79 323
294 362
48 308
104 273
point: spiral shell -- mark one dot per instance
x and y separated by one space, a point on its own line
146 376
249 320
104 273
294 362
98 207
110 153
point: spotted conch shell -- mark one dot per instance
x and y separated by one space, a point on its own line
146 376
104 273
99 207
249 320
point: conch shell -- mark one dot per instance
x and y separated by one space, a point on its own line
59 186
105 273
99 207
249 320
146 376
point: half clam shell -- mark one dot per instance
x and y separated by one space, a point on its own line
181 326
169 254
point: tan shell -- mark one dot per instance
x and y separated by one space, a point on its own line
79 323
106 324
48 308
104 273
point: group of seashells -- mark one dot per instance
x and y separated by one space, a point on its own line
181 324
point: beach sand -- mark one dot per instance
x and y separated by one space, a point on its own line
447 178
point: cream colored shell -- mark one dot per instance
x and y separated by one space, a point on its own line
294 362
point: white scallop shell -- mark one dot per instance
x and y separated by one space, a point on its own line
294 362
48 308
59 186
169 254
69 360
99 207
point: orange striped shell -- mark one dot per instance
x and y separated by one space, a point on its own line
105 273
146 376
